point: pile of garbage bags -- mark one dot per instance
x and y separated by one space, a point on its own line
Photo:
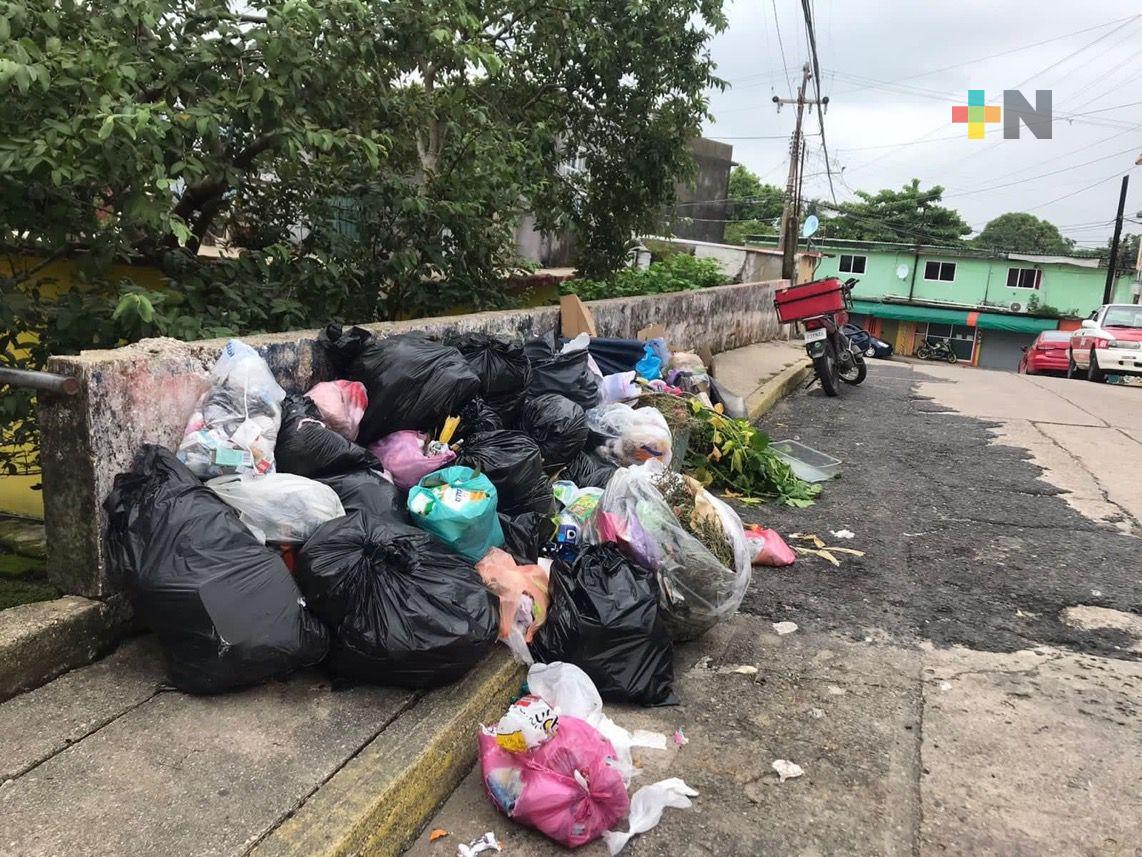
394 522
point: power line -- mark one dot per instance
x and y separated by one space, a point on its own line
817 88
781 44
984 189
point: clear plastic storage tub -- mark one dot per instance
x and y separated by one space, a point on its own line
808 463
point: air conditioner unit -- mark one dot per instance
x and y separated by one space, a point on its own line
1016 306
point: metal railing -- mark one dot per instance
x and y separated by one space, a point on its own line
45 382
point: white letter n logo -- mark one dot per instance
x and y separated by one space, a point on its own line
1016 110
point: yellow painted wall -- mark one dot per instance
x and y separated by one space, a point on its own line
16 494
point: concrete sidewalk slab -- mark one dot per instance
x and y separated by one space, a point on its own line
104 761
847 713
763 373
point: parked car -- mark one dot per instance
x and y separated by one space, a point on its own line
1048 353
1108 343
868 344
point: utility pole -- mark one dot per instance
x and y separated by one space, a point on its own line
1108 292
790 214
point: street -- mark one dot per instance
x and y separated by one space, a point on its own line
970 686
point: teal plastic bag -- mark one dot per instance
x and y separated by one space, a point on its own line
650 366
458 506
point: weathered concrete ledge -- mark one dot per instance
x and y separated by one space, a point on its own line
42 640
378 802
143 394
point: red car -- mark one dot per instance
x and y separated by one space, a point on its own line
1048 353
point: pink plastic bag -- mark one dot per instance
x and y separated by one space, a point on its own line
564 788
522 590
767 547
342 404
402 454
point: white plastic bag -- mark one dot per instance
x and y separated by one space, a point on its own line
280 507
646 807
617 387
235 424
696 589
632 436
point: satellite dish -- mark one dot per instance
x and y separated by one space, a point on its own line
811 225
901 271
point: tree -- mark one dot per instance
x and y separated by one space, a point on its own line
369 157
755 208
911 215
1020 232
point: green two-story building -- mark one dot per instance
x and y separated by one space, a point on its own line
989 304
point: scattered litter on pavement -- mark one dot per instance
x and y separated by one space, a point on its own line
945 686
646 809
820 549
768 548
438 833
1097 593
680 739
836 691
816 713
487 842
787 770
842 534
703 663
746 669
783 628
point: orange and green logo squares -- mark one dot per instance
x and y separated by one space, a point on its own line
975 114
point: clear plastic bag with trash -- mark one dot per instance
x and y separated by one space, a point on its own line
698 589
235 423
628 436
281 508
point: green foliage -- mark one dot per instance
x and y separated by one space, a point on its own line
911 215
751 199
735 457
1020 232
370 157
737 233
679 272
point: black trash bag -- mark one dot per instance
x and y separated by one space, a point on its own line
224 607
604 619
541 348
413 382
525 534
513 462
404 609
504 370
476 417
557 424
588 470
368 491
567 374
308 447
616 355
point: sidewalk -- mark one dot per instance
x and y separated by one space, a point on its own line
106 760
763 373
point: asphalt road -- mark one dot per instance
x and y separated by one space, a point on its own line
969 687
964 543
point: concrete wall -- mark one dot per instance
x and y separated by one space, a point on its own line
145 392
702 199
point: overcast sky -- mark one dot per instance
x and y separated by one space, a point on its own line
893 69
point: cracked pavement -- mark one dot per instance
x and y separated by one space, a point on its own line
972 685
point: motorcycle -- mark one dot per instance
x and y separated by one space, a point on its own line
821 307
933 348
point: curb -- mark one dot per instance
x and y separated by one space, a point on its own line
379 801
41 640
777 387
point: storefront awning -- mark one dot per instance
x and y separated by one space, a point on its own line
971 318
908 312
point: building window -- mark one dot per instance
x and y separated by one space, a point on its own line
852 264
945 271
961 337
1024 278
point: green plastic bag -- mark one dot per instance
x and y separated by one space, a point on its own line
458 506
